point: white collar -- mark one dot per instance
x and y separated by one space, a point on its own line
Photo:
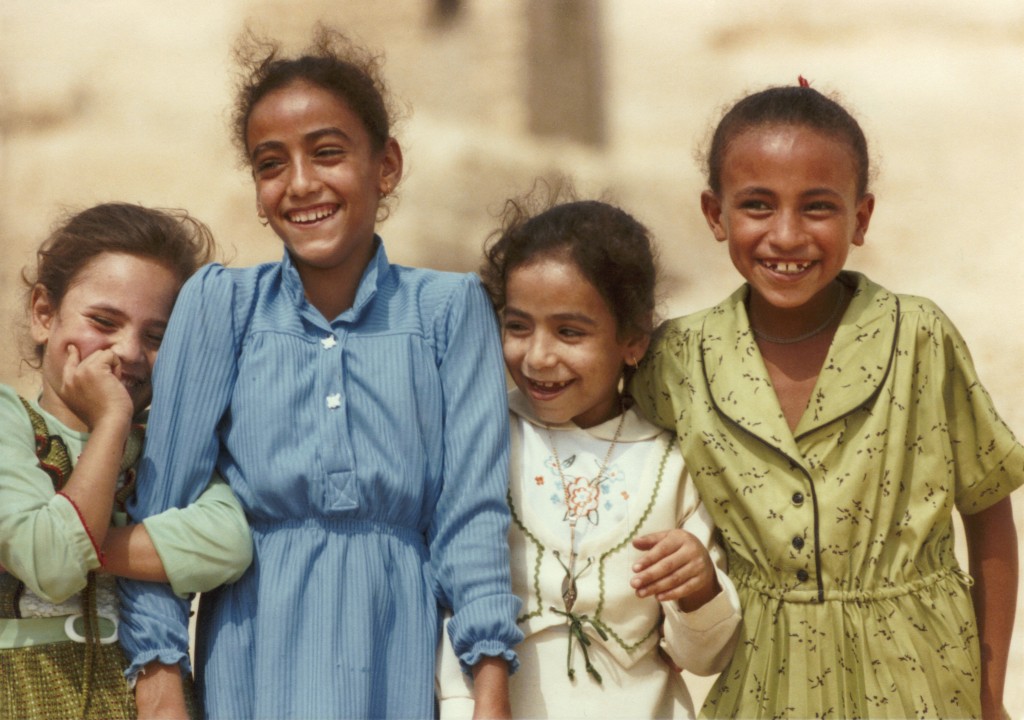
634 428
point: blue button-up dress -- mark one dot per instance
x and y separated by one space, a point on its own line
370 455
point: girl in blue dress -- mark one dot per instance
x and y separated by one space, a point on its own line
357 408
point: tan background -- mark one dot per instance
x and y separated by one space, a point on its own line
127 99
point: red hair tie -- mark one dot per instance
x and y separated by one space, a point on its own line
803 81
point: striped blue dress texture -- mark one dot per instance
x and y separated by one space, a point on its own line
370 454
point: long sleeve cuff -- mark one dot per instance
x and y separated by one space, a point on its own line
486 628
702 641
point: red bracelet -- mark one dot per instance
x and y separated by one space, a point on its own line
99 553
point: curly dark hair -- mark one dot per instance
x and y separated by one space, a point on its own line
608 245
333 62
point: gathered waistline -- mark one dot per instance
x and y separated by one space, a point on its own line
810 595
347 526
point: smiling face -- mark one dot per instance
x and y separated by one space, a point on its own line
116 301
561 343
789 210
318 177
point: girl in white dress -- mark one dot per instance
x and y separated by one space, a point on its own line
613 604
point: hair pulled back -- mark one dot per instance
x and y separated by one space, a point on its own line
608 245
332 62
172 238
793 106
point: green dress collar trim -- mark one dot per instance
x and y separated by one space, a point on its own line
855 369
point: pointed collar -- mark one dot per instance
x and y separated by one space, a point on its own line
856 366
373 277
634 428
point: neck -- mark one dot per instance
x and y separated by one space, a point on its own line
332 291
790 325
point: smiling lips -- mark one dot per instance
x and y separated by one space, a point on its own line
787 267
547 388
311 215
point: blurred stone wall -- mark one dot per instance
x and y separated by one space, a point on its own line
122 99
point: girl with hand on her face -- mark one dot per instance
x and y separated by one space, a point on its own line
99 302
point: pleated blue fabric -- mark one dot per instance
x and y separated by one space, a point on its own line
370 454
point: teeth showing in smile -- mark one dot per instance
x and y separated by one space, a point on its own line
549 385
308 216
786 268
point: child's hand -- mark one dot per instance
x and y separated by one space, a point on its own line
675 566
92 389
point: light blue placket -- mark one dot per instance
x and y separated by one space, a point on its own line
335 445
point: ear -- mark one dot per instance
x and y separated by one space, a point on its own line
711 206
390 167
42 312
865 207
635 348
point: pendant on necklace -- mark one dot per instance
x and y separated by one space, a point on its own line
568 592
569 583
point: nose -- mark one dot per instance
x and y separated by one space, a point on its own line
539 352
787 232
303 179
130 349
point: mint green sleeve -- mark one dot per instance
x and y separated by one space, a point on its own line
43 542
205 544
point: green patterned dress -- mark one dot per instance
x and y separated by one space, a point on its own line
839 535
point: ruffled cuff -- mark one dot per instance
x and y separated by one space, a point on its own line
154 626
164 657
489 648
486 628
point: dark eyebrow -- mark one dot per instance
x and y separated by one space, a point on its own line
754 190
327 132
561 317
757 190
821 191
309 138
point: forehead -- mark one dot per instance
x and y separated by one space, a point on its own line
124 278
793 152
552 285
298 108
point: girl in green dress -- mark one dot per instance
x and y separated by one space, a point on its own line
831 427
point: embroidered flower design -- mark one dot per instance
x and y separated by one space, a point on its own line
539 479
581 497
